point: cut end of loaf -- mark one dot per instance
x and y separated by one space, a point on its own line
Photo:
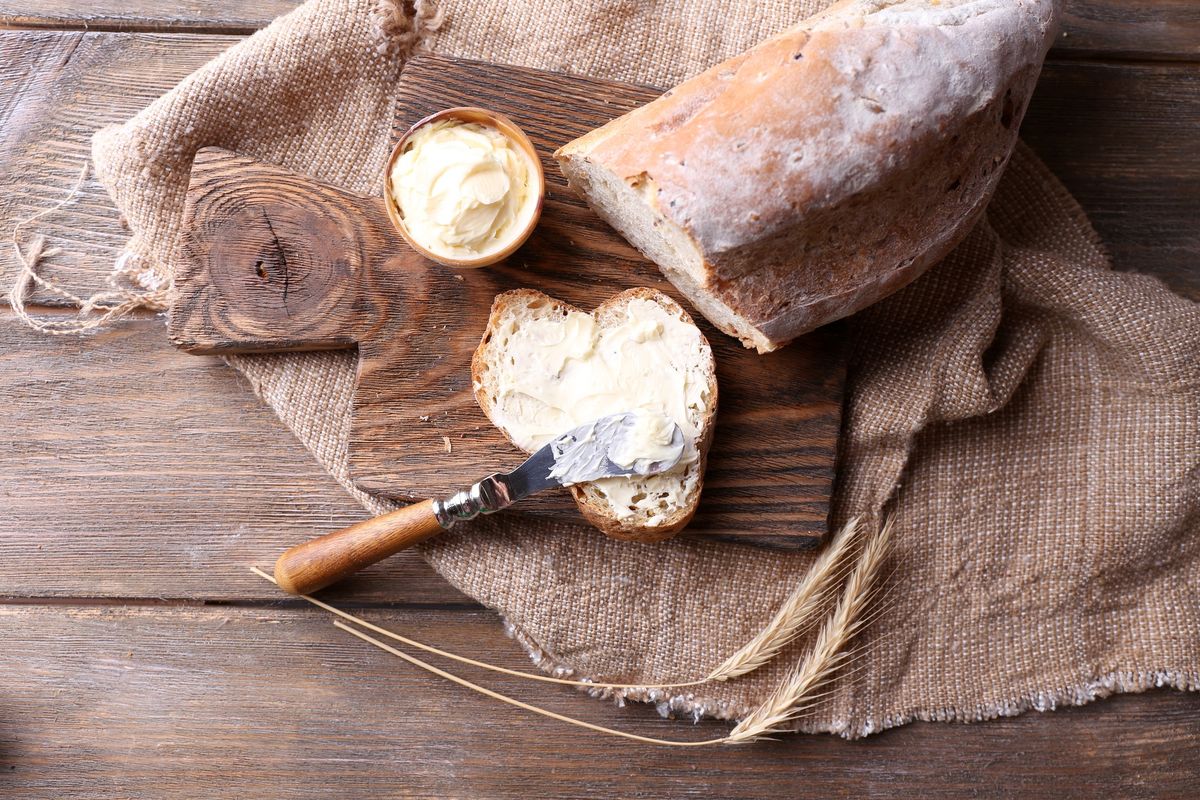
631 207
721 314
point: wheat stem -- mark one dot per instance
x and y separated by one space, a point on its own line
796 614
472 662
828 651
795 695
512 701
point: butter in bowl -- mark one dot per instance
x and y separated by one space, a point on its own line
464 187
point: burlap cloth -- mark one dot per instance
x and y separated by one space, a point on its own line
1030 416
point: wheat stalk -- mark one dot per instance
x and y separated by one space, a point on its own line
828 652
793 617
796 614
512 701
529 676
784 704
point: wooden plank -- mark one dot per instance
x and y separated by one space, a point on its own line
1148 29
275 702
1122 137
1124 140
196 16
190 708
1151 29
131 470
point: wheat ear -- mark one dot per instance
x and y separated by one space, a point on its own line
828 651
796 614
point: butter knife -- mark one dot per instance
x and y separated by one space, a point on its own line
582 454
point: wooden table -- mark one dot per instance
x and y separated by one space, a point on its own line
139 657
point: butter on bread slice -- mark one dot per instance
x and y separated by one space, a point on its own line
543 367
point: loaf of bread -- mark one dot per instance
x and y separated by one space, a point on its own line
825 168
544 367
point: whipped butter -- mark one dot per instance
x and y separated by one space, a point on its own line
637 442
465 190
648 440
567 371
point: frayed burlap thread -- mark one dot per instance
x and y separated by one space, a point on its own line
1029 417
131 285
405 24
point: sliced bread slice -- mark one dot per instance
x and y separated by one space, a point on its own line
544 367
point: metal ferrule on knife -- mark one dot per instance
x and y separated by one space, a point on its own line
489 495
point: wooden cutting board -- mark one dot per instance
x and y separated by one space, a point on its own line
271 260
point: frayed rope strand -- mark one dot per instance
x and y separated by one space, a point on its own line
405 24
117 302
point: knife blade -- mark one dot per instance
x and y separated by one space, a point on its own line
581 454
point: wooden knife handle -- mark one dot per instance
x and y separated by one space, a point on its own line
312 566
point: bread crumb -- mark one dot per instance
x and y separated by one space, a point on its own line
458 277
446 441
424 418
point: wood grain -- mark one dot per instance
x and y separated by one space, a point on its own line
272 261
275 702
194 16
56 90
1149 29
131 470
1124 140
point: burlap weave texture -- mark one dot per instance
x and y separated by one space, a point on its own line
1030 417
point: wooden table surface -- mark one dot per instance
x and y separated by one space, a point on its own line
140 658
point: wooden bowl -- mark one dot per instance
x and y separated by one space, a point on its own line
492 120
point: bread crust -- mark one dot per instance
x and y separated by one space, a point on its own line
595 511
830 165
